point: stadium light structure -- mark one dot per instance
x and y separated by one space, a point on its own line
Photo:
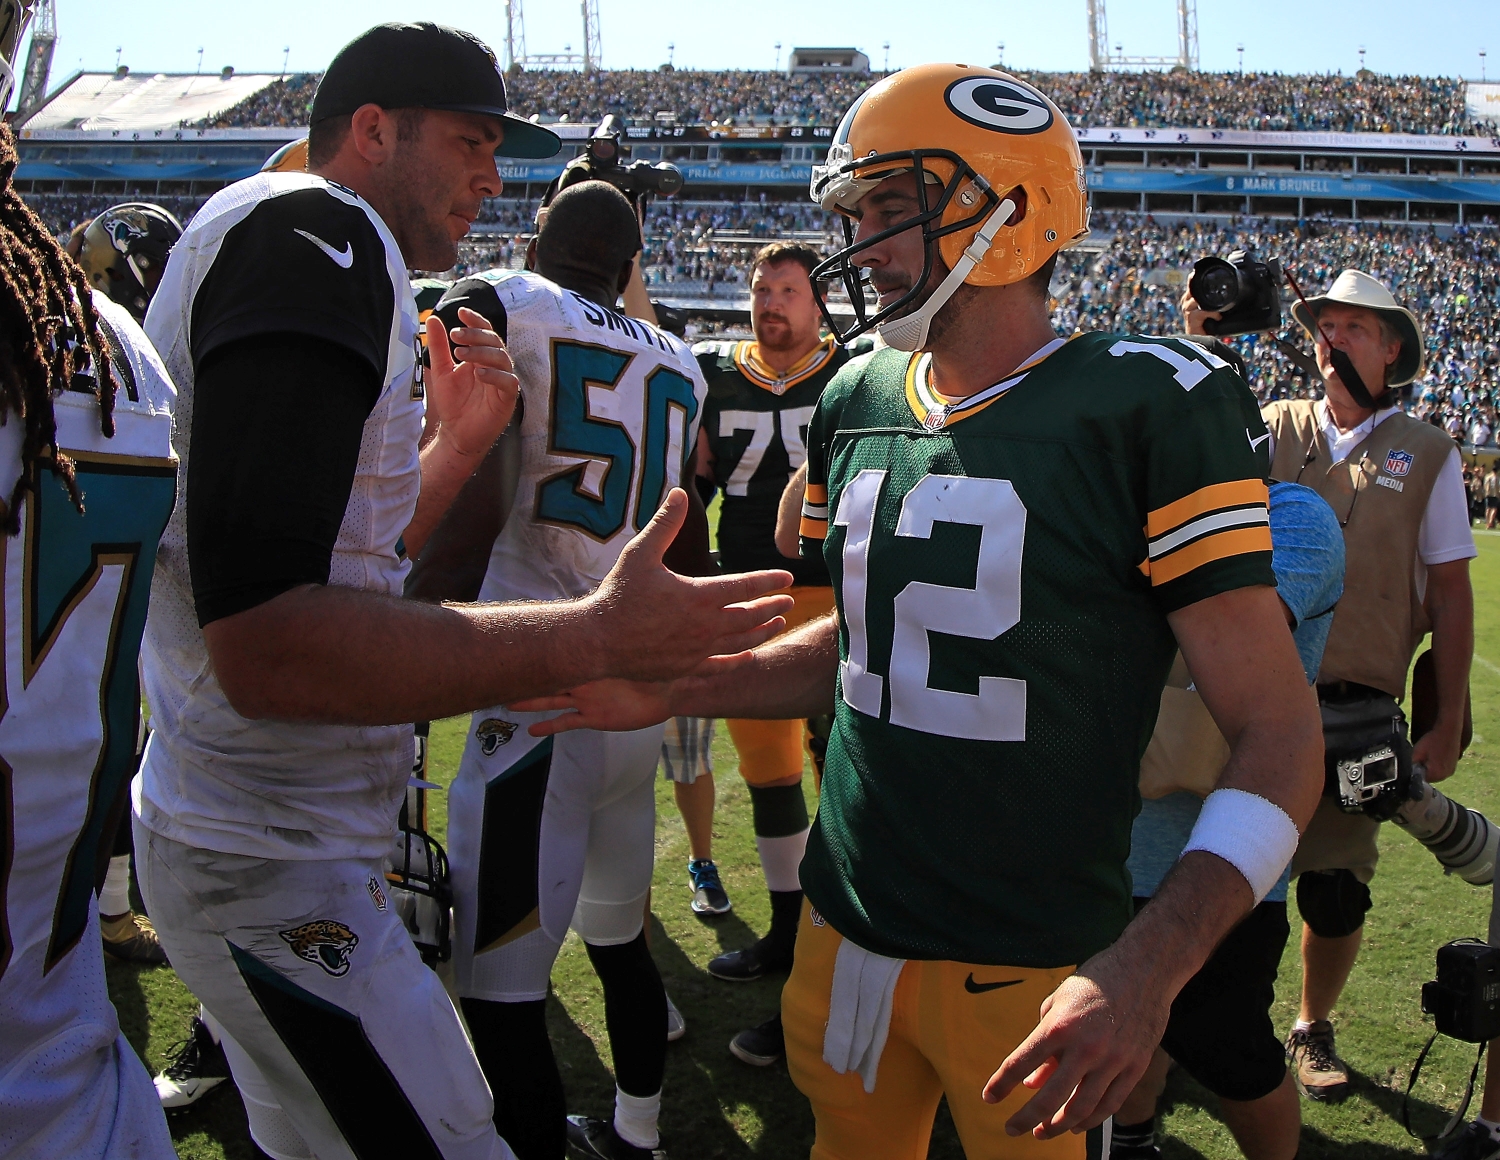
38 62
591 59
1101 59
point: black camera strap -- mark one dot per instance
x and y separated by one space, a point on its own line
1463 1108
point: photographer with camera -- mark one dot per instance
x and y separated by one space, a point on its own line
1396 486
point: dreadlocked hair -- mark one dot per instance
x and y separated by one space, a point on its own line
49 333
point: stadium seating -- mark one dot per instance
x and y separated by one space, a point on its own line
1270 101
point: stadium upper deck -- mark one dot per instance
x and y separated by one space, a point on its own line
1362 148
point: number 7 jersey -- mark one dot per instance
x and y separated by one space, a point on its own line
1003 567
610 411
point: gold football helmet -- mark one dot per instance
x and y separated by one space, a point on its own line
290 158
973 135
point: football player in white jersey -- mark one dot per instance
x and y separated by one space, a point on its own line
87 482
268 796
548 834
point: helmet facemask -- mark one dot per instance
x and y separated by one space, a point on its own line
841 187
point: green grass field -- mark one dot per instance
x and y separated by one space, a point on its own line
717 1107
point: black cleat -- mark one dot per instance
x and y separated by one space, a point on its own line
597 1140
197 1068
760 1046
754 961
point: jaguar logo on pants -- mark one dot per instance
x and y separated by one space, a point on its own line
325 942
493 733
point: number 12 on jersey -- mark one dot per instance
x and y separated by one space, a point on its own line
993 606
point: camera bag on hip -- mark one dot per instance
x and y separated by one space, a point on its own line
1367 757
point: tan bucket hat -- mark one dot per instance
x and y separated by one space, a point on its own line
1356 288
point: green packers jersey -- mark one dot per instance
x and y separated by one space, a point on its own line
755 422
1003 567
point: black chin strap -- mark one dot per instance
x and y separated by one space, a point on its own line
1343 366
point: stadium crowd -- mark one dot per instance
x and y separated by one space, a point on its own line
1364 103
1131 286
1450 283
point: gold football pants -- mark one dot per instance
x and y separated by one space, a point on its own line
951 1027
771 751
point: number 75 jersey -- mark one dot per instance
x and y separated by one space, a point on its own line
1003 568
610 412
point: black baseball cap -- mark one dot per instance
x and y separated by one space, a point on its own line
427 66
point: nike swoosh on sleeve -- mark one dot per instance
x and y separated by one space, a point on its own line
1254 443
342 258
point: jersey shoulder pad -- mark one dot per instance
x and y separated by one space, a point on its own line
141 379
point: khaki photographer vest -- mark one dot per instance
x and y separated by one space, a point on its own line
1379 494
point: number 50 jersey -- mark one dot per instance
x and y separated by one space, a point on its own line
1004 566
609 412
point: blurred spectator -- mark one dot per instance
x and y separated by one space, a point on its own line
1345 104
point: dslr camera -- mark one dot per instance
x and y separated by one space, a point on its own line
1367 757
1245 290
601 162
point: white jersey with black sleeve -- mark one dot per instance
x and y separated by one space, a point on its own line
280 254
610 411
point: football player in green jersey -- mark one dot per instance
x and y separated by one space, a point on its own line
1020 531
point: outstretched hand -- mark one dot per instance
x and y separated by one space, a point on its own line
471 399
654 625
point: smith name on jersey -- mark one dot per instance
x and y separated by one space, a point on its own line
1004 566
283 253
755 422
609 413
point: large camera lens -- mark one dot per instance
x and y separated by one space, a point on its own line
1215 284
669 179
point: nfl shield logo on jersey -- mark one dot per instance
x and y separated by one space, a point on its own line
1398 462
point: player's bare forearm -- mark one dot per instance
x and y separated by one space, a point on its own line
343 656
453 563
445 471
471 394
1246 669
1450 607
789 514
791 676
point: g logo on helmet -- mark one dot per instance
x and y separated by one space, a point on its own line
1004 106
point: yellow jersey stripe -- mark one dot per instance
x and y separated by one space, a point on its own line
816 493
812 529
1205 500
747 359
1239 542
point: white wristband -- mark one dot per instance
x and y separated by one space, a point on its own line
1252 834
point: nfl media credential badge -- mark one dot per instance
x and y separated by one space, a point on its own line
1398 462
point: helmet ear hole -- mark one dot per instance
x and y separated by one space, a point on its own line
1018 197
